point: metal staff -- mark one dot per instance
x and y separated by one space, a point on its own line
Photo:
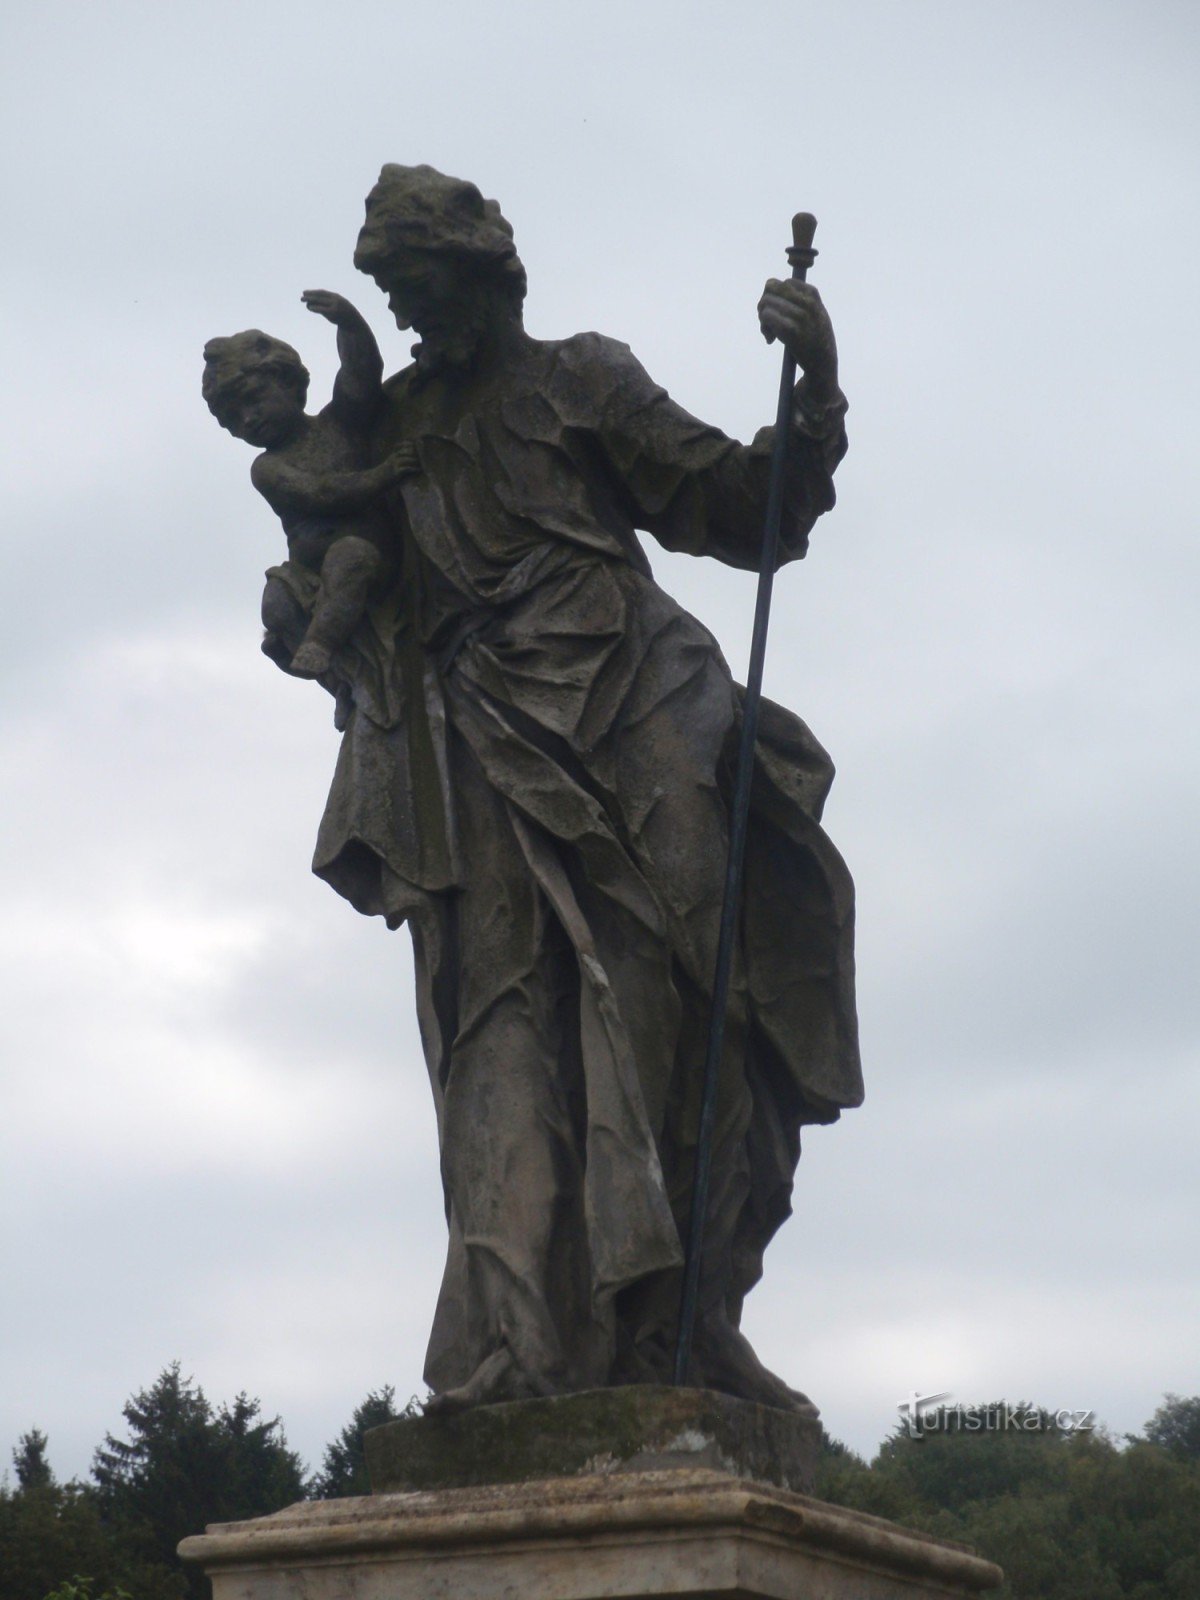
801 256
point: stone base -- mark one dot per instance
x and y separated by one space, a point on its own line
642 1428
695 1533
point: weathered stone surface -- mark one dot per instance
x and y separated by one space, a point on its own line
697 1534
536 775
631 1429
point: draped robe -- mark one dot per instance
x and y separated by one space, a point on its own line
535 773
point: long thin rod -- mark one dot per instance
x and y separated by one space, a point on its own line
800 256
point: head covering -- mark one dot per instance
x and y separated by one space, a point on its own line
226 361
420 209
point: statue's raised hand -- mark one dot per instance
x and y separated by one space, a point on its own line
333 307
793 313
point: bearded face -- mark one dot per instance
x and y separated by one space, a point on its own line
445 258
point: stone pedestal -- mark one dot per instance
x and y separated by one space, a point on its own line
623 1495
634 1535
641 1428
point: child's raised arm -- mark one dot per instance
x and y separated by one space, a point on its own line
358 388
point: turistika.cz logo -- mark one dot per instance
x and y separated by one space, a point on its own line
923 1414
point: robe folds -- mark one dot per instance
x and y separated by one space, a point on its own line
535 773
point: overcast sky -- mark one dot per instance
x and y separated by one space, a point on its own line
217 1144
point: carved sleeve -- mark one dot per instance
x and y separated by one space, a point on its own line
695 489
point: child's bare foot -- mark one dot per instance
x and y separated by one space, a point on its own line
311 660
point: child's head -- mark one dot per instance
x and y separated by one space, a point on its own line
255 386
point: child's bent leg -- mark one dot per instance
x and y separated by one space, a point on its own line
285 621
350 567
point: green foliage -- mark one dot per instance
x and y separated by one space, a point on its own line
950 1467
184 1466
260 1473
82 1589
47 1533
1069 1516
29 1460
845 1479
1175 1427
344 1470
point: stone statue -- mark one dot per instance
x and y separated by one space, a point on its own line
534 775
314 471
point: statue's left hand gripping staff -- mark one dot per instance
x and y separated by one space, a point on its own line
801 256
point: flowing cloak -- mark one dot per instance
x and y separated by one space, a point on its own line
535 775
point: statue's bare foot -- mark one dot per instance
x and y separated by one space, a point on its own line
311 660
494 1380
725 1360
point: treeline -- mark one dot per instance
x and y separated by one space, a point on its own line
1070 1514
183 1464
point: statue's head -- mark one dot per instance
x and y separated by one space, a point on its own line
255 386
439 251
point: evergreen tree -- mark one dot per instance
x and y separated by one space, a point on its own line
259 1472
1068 1517
162 1483
184 1466
344 1470
29 1459
50 1532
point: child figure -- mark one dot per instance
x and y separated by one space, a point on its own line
313 472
